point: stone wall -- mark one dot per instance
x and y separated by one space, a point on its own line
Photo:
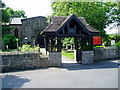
54 59
106 53
21 61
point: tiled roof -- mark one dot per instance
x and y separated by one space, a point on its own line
37 17
58 21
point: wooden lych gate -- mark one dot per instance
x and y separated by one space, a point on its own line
71 26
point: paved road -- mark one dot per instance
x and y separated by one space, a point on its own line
70 75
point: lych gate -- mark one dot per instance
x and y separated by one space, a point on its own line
71 26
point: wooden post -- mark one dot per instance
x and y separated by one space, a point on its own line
59 44
68 28
52 45
83 40
46 42
91 42
75 41
49 46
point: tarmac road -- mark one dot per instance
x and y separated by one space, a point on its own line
71 75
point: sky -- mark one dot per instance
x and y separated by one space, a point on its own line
34 8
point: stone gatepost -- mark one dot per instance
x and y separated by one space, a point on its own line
55 59
87 57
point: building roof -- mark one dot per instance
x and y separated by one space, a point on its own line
42 17
58 21
16 21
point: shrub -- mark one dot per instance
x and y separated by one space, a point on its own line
117 44
6 30
10 40
27 47
115 37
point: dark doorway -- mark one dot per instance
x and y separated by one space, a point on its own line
39 40
16 32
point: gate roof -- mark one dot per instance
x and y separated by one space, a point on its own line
59 22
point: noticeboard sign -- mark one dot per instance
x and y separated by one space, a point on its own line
97 40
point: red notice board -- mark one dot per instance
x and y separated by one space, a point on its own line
97 40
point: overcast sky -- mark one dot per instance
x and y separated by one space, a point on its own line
34 8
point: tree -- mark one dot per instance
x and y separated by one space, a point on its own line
97 14
8 13
5 16
68 42
19 13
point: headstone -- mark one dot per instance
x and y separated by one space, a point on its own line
118 29
112 42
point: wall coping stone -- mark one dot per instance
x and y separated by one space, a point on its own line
19 53
87 51
107 48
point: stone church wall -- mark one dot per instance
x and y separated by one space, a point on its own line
19 28
31 26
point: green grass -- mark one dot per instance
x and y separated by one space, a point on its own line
0 50
68 54
10 50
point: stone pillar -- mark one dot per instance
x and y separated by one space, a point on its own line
87 57
54 59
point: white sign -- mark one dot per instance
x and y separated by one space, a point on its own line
112 42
